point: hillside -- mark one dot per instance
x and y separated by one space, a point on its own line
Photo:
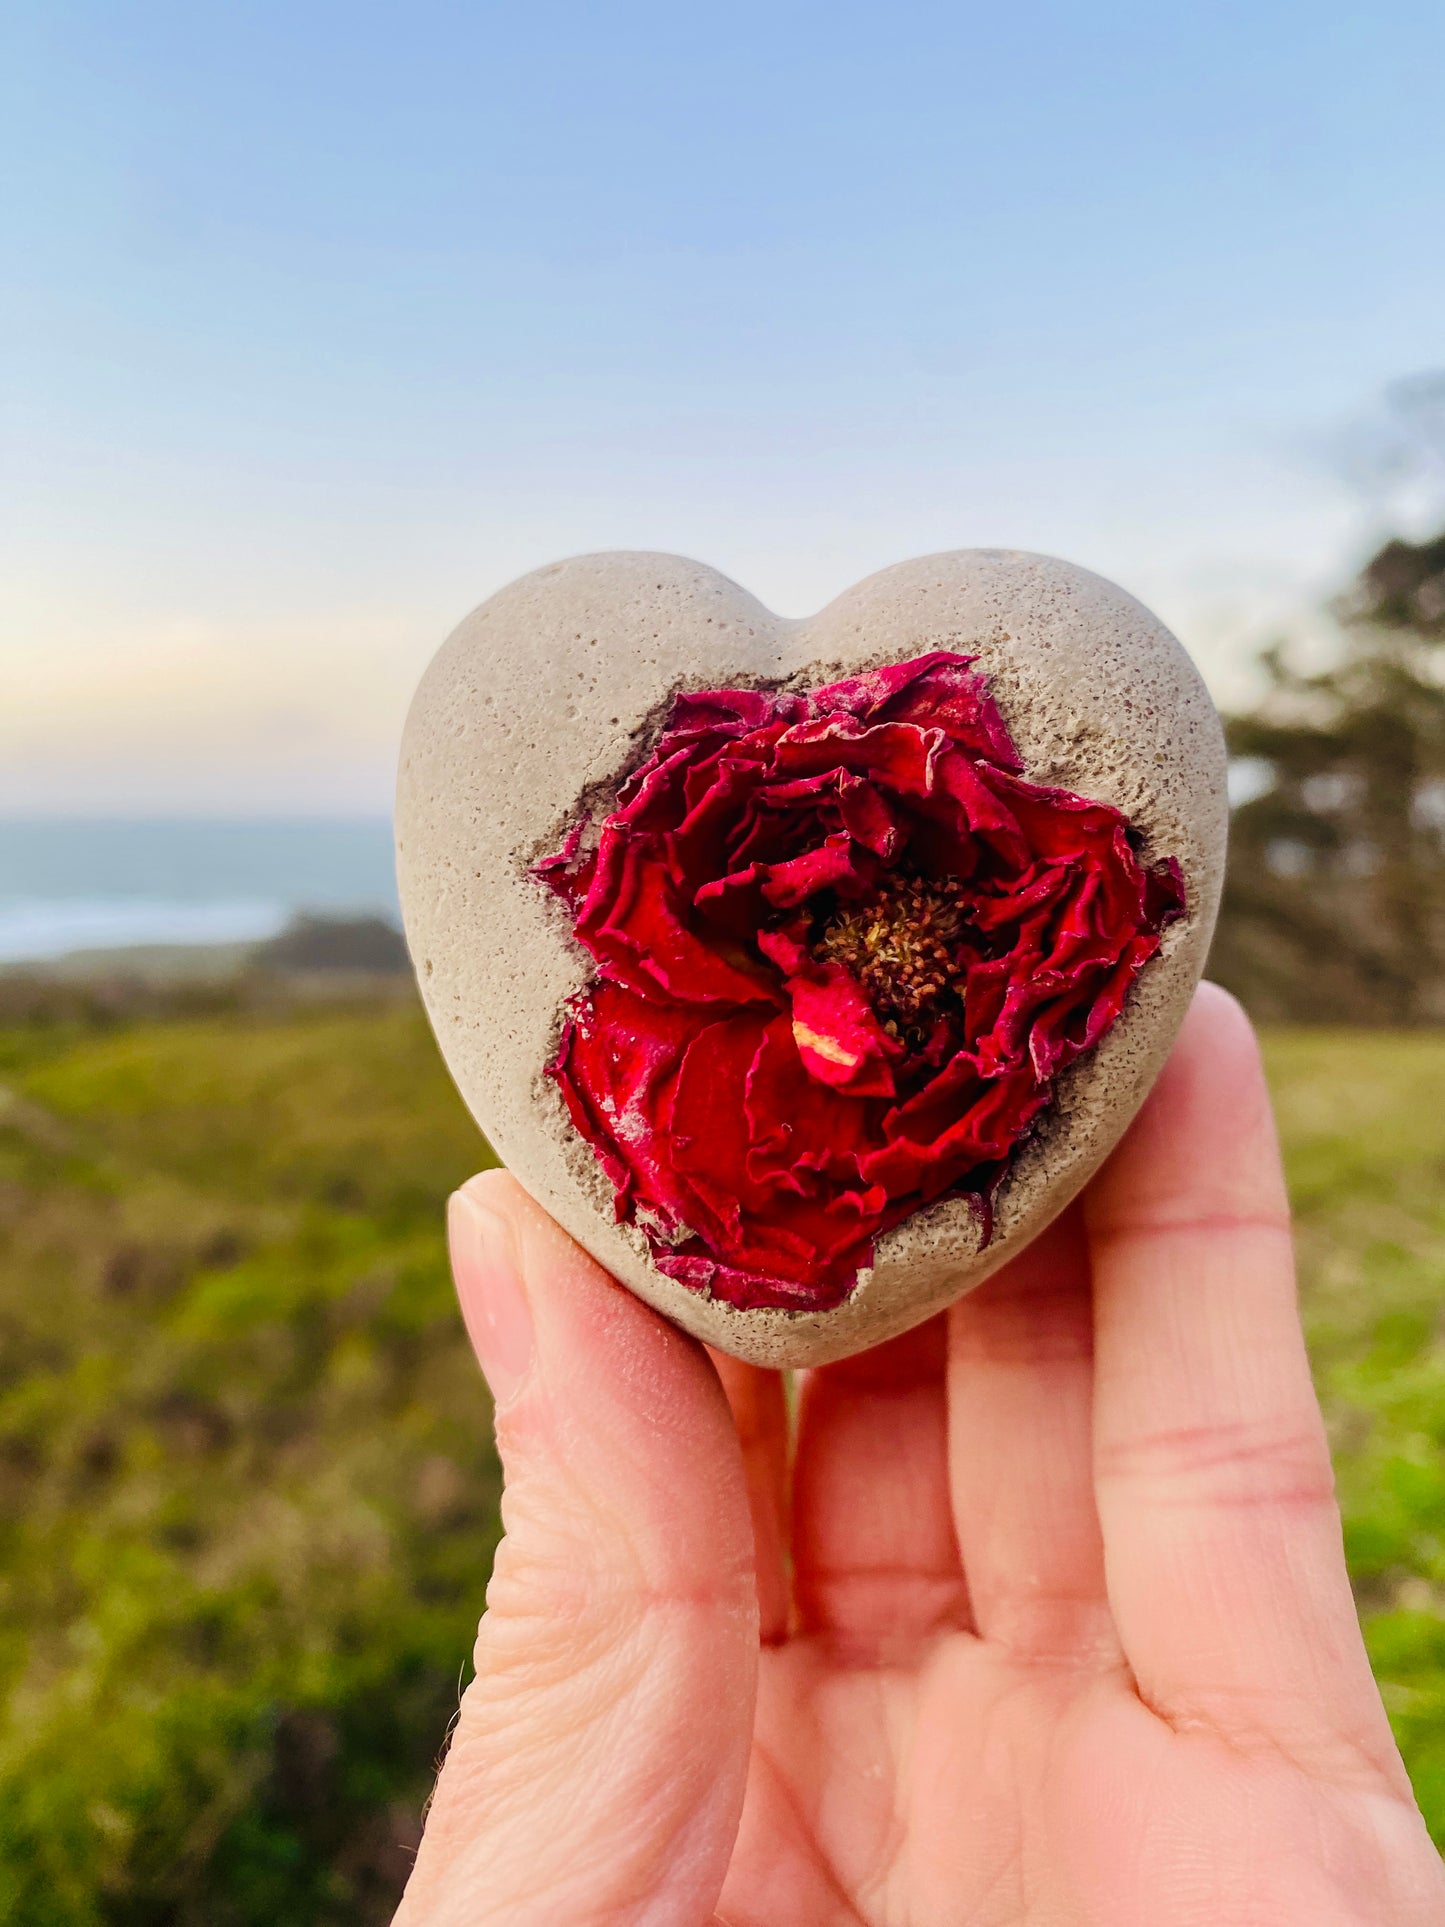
246 1477
247 1491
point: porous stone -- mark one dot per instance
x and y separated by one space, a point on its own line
548 694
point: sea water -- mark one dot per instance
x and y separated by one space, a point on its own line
74 884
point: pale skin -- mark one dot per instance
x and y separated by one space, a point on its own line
1040 1618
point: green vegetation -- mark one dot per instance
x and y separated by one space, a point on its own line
247 1492
1334 904
1363 1127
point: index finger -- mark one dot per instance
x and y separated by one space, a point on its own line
1223 1554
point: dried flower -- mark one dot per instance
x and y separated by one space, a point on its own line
843 949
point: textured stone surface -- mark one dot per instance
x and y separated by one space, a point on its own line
552 690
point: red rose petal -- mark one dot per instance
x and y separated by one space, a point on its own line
937 691
839 1039
632 922
836 862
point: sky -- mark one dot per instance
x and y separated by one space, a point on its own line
321 321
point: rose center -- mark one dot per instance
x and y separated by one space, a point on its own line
905 944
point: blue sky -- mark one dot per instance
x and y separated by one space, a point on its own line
321 321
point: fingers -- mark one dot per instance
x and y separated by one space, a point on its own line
1020 1450
760 1412
1225 1568
874 1554
598 1765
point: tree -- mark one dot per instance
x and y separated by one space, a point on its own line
1334 907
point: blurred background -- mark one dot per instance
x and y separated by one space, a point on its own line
321 322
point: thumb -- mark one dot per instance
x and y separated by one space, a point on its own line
597 1769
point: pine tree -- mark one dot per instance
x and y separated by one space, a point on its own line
1334 906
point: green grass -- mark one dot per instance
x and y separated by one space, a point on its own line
1362 1118
247 1491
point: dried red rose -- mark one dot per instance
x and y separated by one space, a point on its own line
843 950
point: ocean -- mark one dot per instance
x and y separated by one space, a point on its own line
73 884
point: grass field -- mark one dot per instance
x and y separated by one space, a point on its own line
1362 1118
249 1497
247 1491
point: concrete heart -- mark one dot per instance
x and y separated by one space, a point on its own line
549 694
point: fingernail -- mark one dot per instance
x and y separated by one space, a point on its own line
492 1295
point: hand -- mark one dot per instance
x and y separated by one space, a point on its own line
1059 1630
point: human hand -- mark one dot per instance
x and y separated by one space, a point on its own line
1042 1619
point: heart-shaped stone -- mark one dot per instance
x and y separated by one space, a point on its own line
547 696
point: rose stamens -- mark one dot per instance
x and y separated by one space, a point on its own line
906 947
